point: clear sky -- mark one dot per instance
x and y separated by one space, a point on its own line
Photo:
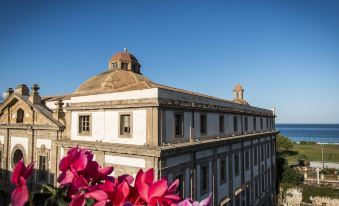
284 53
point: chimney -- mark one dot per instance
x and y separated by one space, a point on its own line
35 97
7 93
22 89
59 113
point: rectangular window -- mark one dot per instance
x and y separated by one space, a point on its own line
203 124
261 124
204 179
221 124
178 123
115 65
247 159
266 123
42 168
262 152
246 123
181 188
125 124
124 65
255 156
254 123
84 124
236 164
235 123
268 149
222 171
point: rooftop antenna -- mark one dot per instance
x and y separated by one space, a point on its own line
125 49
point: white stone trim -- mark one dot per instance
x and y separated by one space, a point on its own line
126 161
45 142
135 94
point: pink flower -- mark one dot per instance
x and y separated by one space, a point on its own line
155 193
190 202
20 173
75 161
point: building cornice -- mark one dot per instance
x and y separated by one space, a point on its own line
176 149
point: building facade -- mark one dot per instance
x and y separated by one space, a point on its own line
210 144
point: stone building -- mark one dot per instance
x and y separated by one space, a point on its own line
210 144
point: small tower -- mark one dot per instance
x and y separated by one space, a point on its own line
238 92
35 97
124 60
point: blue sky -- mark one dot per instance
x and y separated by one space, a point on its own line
284 53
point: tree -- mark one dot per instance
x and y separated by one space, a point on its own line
283 143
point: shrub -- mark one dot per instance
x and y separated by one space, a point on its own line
291 176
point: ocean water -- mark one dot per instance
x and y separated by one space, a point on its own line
320 133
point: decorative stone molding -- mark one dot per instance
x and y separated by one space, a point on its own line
24 153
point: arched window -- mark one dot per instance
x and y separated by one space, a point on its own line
20 116
18 155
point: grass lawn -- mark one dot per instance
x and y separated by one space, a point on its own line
313 153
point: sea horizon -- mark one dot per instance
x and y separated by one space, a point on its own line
316 132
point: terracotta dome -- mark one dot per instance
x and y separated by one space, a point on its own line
114 81
123 56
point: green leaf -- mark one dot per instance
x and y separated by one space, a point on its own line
56 200
49 188
89 202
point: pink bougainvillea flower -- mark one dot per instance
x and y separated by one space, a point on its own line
189 202
155 192
20 173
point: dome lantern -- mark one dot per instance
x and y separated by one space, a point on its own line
124 60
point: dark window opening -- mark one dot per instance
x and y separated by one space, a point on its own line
236 164
179 121
203 124
18 155
254 123
222 171
124 65
221 124
204 179
42 168
235 123
20 116
255 156
247 160
246 123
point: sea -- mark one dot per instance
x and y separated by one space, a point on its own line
319 133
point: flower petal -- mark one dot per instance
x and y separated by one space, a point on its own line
20 195
29 170
81 161
66 177
173 187
17 172
206 201
157 189
98 195
78 200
